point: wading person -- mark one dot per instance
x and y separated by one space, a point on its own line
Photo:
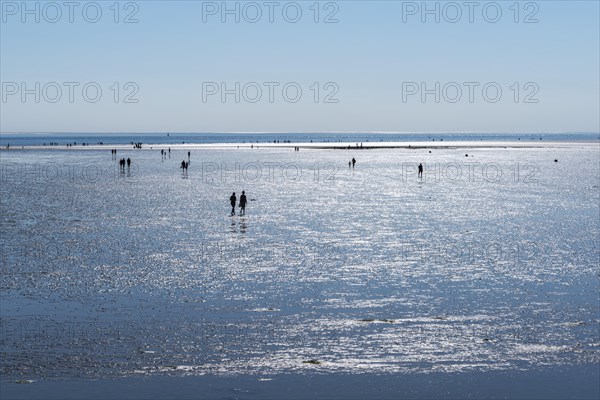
232 200
243 203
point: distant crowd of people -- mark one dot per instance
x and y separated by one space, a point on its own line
233 200
349 146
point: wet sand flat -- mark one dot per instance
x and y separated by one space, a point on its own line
486 269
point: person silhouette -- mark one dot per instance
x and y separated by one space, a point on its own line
353 162
420 175
243 203
128 162
232 200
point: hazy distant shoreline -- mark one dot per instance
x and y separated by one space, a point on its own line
303 140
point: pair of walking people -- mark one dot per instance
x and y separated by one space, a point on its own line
233 200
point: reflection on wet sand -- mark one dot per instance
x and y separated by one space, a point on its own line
367 272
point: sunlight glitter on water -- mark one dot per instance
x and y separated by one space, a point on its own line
332 269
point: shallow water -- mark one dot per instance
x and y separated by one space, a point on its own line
488 263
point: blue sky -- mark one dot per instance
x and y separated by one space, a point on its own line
370 68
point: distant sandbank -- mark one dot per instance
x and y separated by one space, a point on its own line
429 145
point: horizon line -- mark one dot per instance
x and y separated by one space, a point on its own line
293 132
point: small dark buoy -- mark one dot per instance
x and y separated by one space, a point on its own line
555 160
